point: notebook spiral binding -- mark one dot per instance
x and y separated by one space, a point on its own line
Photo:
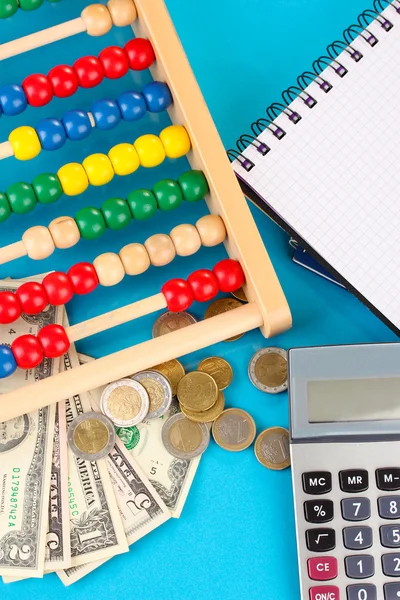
298 91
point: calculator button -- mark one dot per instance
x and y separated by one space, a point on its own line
318 511
359 566
324 592
391 565
356 509
388 479
363 591
317 482
353 480
389 507
390 536
391 591
357 538
320 540
322 568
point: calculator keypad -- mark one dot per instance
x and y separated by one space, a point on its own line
322 568
357 538
391 564
364 591
390 536
318 511
317 482
391 591
359 566
388 479
389 507
321 539
353 480
356 509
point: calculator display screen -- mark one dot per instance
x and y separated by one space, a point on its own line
353 400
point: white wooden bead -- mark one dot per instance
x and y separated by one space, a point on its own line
97 19
135 259
186 239
211 229
65 232
123 12
109 269
161 249
38 242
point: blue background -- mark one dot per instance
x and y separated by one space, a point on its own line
236 536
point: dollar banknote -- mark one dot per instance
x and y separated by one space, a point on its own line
26 448
171 477
141 508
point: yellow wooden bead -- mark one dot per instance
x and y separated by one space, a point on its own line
38 242
211 229
109 269
124 159
73 179
186 239
25 143
65 232
175 140
150 150
161 249
123 12
99 169
97 19
135 259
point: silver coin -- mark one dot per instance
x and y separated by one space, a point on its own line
171 321
91 436
159 390
125 402
183 438
268 370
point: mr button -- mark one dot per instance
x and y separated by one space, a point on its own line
353 480
317 482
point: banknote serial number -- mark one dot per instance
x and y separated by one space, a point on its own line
71 498
15 481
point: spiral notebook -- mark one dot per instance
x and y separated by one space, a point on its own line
325 162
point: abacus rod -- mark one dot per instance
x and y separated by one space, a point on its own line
12 251
42 38
6 150
125 362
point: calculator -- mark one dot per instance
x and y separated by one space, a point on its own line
345 454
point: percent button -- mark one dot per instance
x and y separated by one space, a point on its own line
318 511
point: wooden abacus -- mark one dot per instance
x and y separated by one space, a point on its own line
249 263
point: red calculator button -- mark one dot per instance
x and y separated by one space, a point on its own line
324 592
322 568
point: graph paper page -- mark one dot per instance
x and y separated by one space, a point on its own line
335 176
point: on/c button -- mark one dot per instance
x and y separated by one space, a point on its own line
322 568
324 592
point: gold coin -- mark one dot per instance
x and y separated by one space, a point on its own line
183 438
91 436
206 416
234 430
268 370
173 371
197 391
219 369
124 403
240 295
272 448
220 306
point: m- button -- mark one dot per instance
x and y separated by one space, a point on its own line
317 482
353 480
388 479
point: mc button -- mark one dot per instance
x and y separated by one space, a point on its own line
317 482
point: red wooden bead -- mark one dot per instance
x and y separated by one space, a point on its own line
63 80
32 298
178 294
27 351
83 277
204 285
114 62
229 274
37 89
58 288
89 71
140 54
53 340
10 309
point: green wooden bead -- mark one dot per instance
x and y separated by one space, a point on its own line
142 204
30 4
90 223
8 8
5 208
194 185
168 194
21 197
116 213
47 188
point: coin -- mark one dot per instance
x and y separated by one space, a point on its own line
125 402
221 306
219 369
171 321
91 436
268 370
197 391
183 438
240 295
272 448
173 371
206 416
159 391
234 430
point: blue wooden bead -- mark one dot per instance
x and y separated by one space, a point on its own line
8 364
77 124
106 114
51 134
157 95
132 106
12 99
